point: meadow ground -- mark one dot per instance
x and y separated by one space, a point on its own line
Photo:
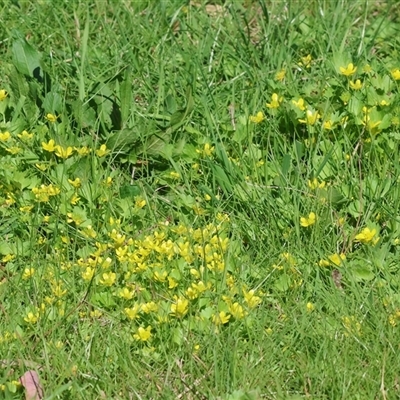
200 201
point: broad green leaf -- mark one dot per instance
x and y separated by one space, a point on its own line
53 102
362 273
25 58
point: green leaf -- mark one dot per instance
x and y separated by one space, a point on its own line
286 162
126 97
129 191
170 104
362 273
283 283
53 102
25 58
103 299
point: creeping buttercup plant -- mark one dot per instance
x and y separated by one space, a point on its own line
206 207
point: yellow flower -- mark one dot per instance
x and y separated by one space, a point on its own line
311 117
180 307
140 202
125 293
25 136
172 283
357 85
314 184
75 183
14 150
308 221
275 101
63 152
258 118
237 311
74 199
31 318
133 312
28 272
102 151
50 146
306 61
58 291
300 104
82 151
4 136
396 74
174 175
251 299
310 307
221 318
328 125
108 278
280 75
51 118
337 259
26 209
349 70
367 235
3 94
88 274
149 307
208 150
142 334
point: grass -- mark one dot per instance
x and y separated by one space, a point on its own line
200 200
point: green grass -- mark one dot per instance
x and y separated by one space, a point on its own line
158 247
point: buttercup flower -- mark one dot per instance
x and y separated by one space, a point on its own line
50 146
221 318
51 118
300 104
315 184
396 74
357 85
280 75
76 183
311 117
349 70
259 117
180 307
367 235
337 259
143 334
4 136
102 151
328 125
108 278
63 152
275 101
306 61
3 94
308 221
31 318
